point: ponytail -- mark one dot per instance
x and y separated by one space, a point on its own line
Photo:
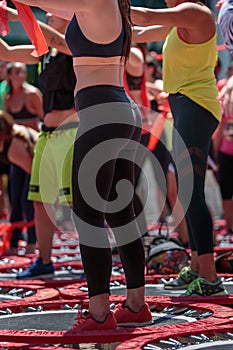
124 6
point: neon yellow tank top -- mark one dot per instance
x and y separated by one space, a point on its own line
189 69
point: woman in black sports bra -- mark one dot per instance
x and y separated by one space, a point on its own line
55 142
24 102
104 155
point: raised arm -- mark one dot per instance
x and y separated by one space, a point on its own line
19 53
64 9
150 33
53 38
180 16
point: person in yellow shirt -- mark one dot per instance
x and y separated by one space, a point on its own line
189 59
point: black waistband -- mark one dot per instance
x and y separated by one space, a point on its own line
67 126
98 94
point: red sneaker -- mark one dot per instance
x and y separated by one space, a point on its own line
127 317
85 322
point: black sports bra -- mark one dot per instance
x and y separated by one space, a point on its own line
80 46
23 114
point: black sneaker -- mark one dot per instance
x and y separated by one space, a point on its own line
185 277
37 269
202 287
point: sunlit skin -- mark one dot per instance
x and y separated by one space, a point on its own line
157 23
55 22
22 94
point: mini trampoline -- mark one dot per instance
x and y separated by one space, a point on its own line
118 287
217 338
48 322
13 295
9 264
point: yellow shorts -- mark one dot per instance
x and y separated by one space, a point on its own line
51 175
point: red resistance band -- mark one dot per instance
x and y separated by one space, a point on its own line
29 23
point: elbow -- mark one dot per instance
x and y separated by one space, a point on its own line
139 17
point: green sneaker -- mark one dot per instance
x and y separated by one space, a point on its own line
183 280
202 287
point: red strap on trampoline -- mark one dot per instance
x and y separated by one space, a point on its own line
45 294
217 300
14 262
221 316
139 342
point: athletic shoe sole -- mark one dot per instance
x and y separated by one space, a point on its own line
135 324
184 286
44 276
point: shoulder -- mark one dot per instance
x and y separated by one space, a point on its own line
32 91
136 53
195 9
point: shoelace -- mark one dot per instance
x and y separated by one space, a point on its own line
81 317
195 286
185 272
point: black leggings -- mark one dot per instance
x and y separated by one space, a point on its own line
225 162
193 128
103 185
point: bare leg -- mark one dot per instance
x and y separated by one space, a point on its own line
135 298
99 306
228 213
204 265
4 202
207 267
194 262
45 224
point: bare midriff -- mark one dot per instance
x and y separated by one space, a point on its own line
92 71
34 123
55 118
